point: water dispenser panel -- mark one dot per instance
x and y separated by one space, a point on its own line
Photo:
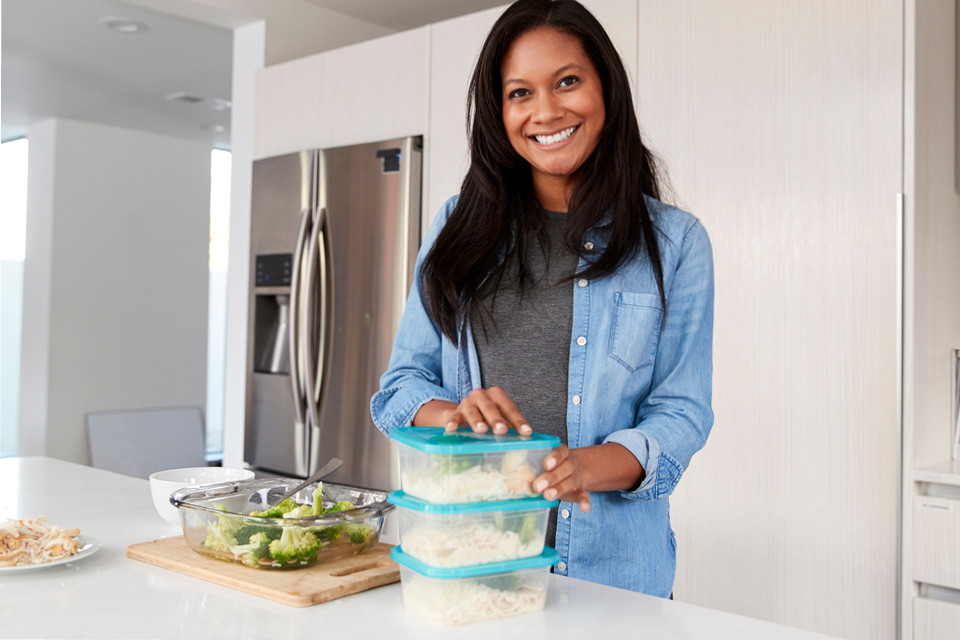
273 270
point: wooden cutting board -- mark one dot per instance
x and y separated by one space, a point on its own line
295 587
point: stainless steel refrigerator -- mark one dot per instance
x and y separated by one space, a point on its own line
333 239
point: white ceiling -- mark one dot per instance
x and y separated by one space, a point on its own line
400 15
58 61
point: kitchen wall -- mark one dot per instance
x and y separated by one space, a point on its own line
115 280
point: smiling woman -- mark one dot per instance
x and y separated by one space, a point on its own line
541 298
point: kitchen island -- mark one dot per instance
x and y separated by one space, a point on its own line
108 595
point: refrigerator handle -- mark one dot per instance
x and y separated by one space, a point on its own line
323 260
307 348
293 345
293 309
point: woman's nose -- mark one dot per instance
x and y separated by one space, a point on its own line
547 109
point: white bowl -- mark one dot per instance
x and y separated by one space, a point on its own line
164 483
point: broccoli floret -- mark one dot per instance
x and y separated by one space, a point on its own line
295 545
250 553
247 532
329 533
276 511
508 582
452 464
528 530
221 535
360 537
359 533
343 505
303 511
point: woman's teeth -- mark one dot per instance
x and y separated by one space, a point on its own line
557 137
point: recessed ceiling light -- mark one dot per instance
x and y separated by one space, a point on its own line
183 96
123 25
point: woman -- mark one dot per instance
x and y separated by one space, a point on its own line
557 293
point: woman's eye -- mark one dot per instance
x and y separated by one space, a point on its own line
569 81
518 93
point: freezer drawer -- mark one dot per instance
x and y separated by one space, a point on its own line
936 541
935 620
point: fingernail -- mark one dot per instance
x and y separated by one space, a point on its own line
541 485
549 494
525 428
500 428
481 427
451 426
550 463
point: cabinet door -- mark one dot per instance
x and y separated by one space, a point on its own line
935 620
374 90
781 126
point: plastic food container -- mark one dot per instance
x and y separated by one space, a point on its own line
218 522
474 594
462 467
460 535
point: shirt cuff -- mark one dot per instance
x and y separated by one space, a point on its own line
661 471
403 411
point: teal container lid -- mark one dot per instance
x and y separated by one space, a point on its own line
548 558
401 499
437 440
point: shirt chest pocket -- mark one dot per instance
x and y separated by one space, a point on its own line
636 329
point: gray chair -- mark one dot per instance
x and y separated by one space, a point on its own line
139 442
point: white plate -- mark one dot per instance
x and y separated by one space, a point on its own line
87 547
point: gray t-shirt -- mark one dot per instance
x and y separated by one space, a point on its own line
523 341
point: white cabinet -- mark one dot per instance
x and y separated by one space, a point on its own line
936 541
781 125
935 620
376 90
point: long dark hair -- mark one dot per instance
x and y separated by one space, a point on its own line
497 208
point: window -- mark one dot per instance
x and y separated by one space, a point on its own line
13 241
220 162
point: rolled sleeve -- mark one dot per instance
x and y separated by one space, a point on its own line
415 373
674 420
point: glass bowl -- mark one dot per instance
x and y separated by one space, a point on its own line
218 522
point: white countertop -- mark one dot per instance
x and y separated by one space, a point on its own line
108 595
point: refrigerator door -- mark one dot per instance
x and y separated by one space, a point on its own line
370 198
283 200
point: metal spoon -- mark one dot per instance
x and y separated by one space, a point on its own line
322 472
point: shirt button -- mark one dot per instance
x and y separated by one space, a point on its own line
576 399
565 513
562 565
581 341
588 246
582 282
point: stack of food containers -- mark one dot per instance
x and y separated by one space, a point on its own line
472 528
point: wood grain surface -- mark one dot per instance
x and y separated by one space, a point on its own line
296 588
781 124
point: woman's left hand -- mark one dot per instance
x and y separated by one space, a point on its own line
563 478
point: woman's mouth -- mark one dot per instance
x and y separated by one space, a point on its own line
559 136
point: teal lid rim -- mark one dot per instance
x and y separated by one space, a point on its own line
401 499
548 558
416 437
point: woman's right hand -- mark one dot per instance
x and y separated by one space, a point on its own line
481 410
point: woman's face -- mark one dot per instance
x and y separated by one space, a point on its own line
553 108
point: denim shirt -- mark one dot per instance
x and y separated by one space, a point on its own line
641 379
